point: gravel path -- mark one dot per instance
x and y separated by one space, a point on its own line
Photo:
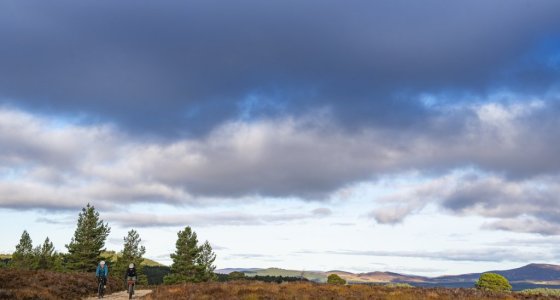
123 295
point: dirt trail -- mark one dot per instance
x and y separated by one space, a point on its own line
123 295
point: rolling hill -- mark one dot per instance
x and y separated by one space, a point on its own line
112 255
529 276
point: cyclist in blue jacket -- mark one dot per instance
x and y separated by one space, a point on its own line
102 272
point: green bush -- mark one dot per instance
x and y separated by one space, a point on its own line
236 275
493 282
335 279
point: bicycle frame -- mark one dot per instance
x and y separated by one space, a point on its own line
131 284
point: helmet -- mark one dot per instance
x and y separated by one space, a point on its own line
102 262
131 265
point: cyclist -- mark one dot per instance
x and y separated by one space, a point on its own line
131 275
102 272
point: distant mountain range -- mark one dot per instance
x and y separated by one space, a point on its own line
529 276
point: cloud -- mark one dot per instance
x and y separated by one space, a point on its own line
177 68
528 206
56 221
66 165
526 225
391 215
228 218
477 255
322 212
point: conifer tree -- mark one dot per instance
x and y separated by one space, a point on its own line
185 267
132 253
46 256
205 261
24 255
84 250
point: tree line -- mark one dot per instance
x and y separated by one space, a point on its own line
191 262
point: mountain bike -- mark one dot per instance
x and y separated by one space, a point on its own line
131 283
100 287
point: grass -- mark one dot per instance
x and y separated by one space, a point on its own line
47 285
248 290
541 292
398 285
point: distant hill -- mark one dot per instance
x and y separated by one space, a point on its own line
529 276
108 254
545 275
147 262
229 270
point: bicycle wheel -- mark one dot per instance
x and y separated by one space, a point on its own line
100 290
130 290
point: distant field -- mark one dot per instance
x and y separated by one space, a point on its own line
310 275
301 290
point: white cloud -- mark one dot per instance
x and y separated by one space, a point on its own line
230 218
529 205
46 165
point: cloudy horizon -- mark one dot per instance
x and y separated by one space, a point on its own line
410 137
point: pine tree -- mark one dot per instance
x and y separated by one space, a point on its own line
24 255
131 253
46 256
205 261
84 250
185 267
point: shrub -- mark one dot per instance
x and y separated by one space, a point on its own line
335 279
541 292
493 282
236 275
398 285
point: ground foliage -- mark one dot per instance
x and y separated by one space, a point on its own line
21 284
245 289
542 292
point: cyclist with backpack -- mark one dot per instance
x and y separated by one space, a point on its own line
130 276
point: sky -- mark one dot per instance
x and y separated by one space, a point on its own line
415 137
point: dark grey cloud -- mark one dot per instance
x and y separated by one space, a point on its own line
178 67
